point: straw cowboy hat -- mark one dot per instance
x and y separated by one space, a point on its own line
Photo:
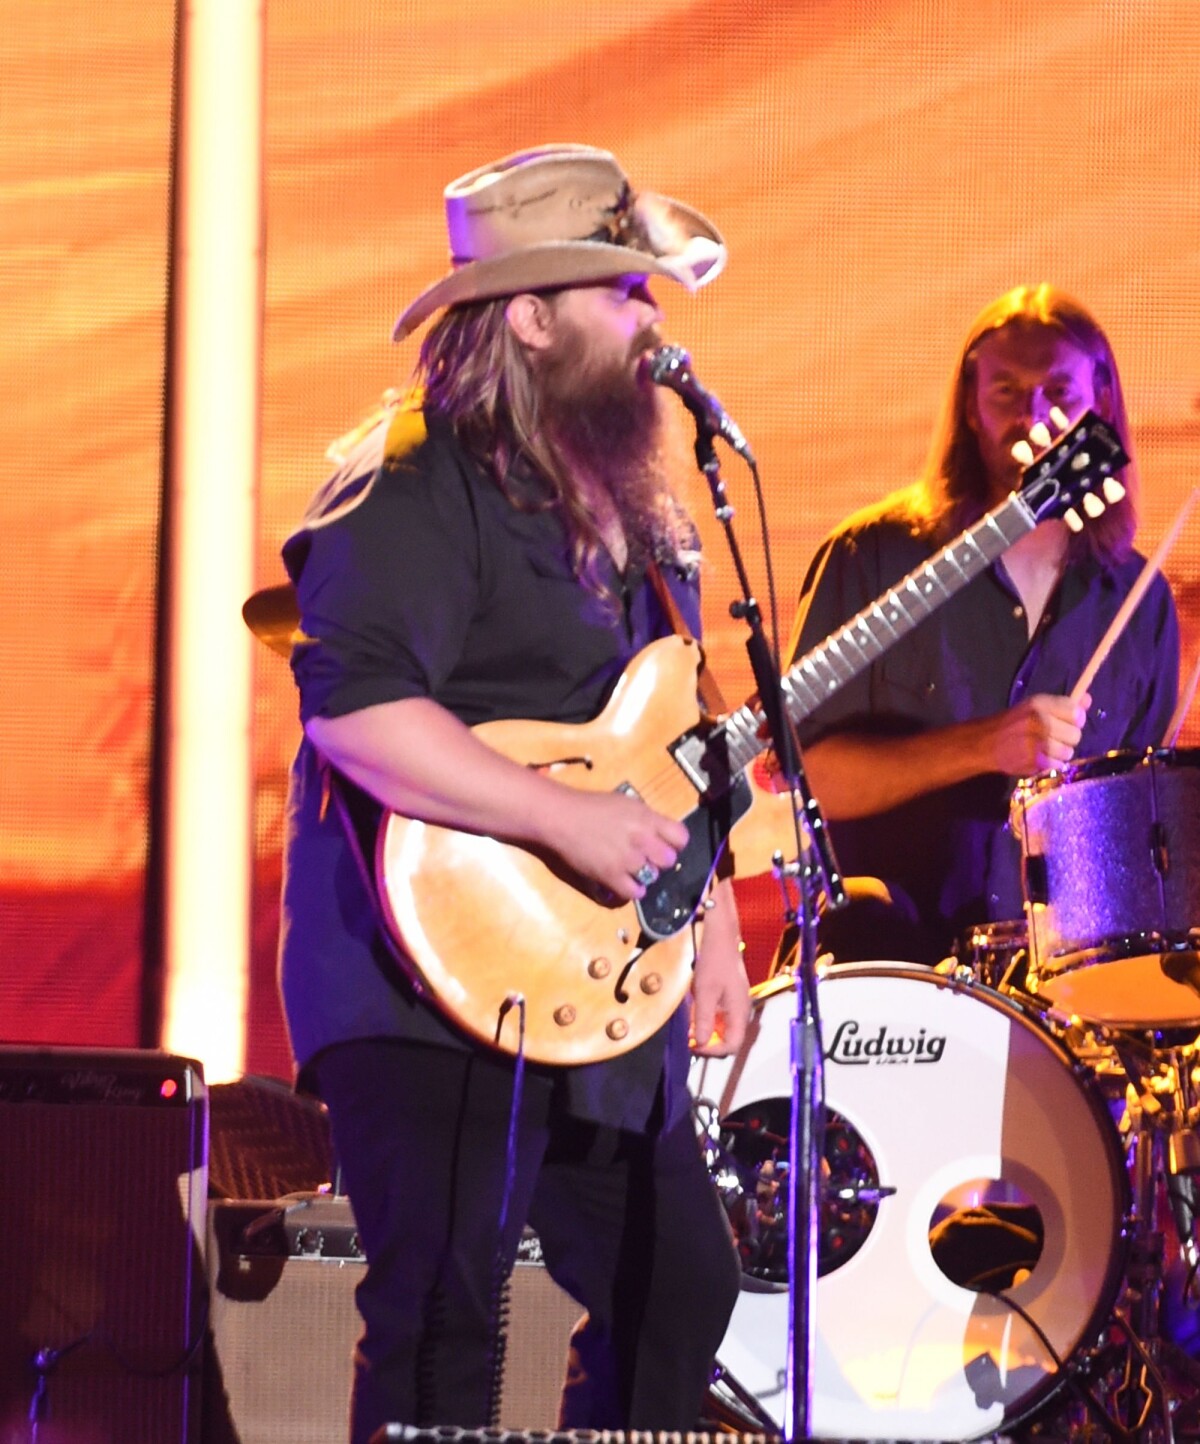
561 215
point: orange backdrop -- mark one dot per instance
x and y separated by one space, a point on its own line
879 170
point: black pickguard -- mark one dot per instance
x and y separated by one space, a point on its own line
671 902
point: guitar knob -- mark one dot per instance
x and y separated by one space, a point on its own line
617 1029
651 983
599 968
565 1015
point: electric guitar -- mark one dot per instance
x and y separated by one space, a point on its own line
482 919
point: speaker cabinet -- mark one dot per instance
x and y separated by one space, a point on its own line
102 1154
283 1321
284 1326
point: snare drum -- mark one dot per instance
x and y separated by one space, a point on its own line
943 1094
1111 851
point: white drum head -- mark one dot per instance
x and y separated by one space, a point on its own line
943 1086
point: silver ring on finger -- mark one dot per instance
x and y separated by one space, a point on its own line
646 874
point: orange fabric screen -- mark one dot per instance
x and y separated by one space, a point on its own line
84 196
879 171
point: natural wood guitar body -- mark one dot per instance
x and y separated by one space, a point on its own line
482 918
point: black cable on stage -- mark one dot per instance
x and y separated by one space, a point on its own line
500 1268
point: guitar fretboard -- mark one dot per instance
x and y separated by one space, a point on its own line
868 634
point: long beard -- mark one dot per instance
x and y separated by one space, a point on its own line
611 426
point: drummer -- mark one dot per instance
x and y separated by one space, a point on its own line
913 761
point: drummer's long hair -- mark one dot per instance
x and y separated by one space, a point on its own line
953 492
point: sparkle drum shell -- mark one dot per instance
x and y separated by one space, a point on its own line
946 1083
1111 863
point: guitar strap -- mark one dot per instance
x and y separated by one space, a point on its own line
707 688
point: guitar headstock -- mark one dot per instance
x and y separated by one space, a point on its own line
1078 472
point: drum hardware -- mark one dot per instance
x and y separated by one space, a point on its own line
1138 1394
735 1409
746 1153
860 1194
1140 1376
1183 1155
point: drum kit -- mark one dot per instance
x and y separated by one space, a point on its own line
1010 1215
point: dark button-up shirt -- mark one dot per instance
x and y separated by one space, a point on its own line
416 577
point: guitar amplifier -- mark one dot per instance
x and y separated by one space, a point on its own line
284 1325
103 1156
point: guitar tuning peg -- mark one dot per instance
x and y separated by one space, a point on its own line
1022 452
1039 433
1073 520
1093 505
1113 490
1059 417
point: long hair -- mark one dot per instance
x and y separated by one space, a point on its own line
953 492
477 375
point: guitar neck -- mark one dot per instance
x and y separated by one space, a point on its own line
818 674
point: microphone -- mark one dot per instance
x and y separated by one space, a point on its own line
671 366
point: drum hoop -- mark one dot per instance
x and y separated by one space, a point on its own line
1118 946
1116 950
1117 763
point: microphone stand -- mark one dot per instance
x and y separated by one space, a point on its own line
816 865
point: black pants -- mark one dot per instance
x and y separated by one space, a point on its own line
630 1226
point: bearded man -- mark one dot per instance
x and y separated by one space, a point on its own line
501 547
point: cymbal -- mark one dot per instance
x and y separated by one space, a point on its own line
273 615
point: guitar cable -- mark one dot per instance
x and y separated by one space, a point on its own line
500 1267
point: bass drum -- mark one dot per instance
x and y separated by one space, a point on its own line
973 1188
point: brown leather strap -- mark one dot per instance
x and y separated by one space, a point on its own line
706 684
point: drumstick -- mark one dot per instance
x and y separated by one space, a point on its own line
1182 707
1136 592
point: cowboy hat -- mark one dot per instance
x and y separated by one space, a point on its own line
561 215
